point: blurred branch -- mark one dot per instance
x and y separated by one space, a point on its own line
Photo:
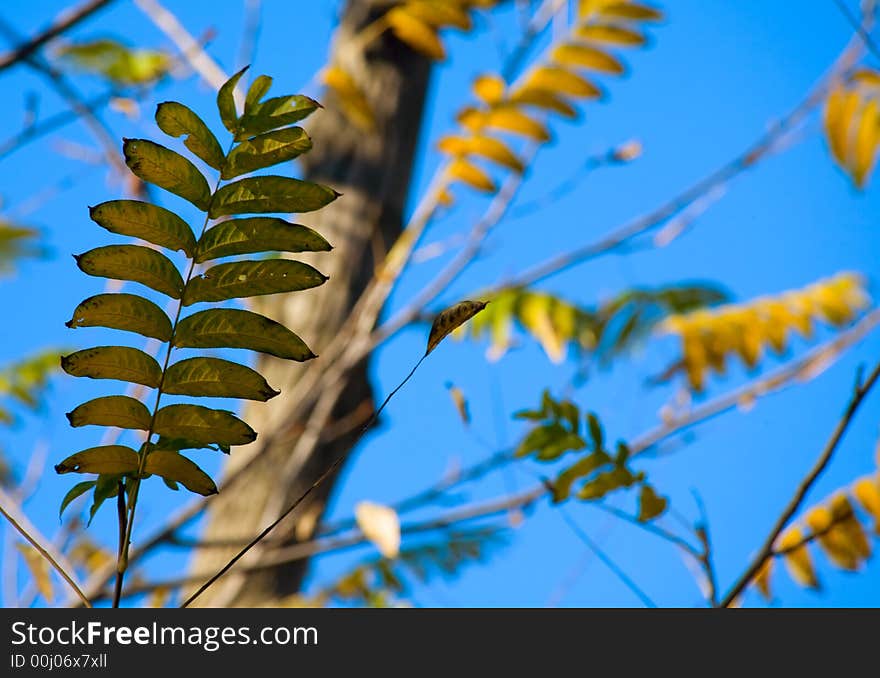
189 47
66 20
857 26
9 509
860 391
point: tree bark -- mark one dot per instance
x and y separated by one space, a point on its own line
373 172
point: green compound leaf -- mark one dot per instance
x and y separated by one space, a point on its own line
233 328
176 468
120 411
114 362
257 234
166 169
259 195
242 279
213 377
123 311
76 491
177 120
202 425
135 263
146 221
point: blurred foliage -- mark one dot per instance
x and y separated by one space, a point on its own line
17 242
852 124
710 337
841 526
605 332
116 62
558 430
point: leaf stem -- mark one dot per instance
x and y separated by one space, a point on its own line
290 509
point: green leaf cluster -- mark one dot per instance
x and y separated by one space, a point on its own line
560 428
262 138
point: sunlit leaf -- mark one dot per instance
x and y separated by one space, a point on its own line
867 491
258 89
114 362
562 82
135 263
797 557
145 221
350 97
484 146
582 56
234 328
415 33
106 459
651 505
217 378
38 567
614 35
166 169
120 411
470 174
580 469
544 100
266 150
177 120
255 195
176 468
202 424
116 62
123 312
257 234
630 11
489 88
240 279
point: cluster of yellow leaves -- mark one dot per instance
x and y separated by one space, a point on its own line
852 124
417 23
549 87
836 526
709 337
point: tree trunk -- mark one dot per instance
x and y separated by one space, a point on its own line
372 171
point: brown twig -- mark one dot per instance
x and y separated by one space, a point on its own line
861 390
27 530
66 20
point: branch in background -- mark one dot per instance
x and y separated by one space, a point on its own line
66 20
857 26
766 551
10 511
189 47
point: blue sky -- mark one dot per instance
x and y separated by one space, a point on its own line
715 75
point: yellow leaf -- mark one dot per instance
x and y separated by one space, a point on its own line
867 491
451 319
545 100
510 119
439 13
581 56
762 579
835 546
460 402
380 525
630 11
352 101
840 108
415 33
38 566
613 35
561 82
866 77
534 314
867 139
470 174
797 560
486 147
489 88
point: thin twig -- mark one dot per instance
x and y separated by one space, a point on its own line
27 530
66 20
861 390
857 26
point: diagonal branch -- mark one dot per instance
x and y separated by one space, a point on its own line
766 550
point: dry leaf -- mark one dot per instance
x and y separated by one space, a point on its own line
381 525
452 318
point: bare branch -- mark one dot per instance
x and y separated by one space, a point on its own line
10 511
766 551
64 21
